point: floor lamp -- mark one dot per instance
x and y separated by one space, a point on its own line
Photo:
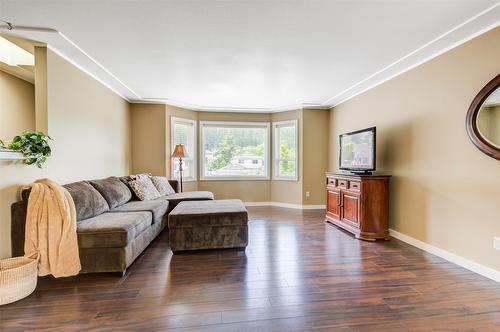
180 152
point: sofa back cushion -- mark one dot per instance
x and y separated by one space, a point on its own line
114 191
88 201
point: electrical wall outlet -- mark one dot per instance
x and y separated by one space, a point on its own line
496 242
308 194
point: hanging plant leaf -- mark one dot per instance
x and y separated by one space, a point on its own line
33 145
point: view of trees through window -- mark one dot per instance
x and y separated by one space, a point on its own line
285 137
231 151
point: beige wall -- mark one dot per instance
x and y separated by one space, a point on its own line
90 127
17 106
41 92
315 155
149 145
89 123
444 191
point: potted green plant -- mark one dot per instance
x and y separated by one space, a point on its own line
33 145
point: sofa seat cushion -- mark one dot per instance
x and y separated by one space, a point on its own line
113 190
158 208
112 229
88 201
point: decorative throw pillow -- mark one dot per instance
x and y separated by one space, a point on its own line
162 185
144 189
127 178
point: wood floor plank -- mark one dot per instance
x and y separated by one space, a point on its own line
297 274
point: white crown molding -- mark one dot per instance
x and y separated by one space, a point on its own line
286 205
107 71
453 258
467 30
472 27
98 79
201 108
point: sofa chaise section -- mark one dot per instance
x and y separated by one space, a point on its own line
110 242
113 228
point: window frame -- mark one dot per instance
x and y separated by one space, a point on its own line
193 154
276 150
237 124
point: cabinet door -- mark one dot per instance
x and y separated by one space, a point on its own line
350 204
333 203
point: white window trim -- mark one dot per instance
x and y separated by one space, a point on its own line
276 152
193 154
267 159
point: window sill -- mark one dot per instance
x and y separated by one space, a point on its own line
286 179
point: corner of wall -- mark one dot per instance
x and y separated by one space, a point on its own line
316 133
149 132
41 90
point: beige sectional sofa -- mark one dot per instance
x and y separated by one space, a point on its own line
113 227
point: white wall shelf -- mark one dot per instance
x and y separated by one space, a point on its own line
10 155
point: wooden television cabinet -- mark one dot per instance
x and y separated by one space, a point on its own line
359 204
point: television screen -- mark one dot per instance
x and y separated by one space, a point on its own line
357 150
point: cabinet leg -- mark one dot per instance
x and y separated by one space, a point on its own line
369 239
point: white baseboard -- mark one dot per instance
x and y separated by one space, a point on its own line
459 260
287 205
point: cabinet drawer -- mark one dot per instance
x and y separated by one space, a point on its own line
342 184
354 185
331 182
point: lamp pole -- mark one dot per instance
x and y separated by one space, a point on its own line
180 152
180 170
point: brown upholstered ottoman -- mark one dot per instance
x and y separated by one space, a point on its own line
195 225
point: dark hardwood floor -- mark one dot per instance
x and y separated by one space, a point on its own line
298 273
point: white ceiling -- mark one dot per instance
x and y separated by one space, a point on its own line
250 55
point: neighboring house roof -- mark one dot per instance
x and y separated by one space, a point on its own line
247 155
233 167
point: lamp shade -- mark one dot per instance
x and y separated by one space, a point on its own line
180 151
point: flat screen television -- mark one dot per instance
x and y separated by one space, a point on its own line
357 151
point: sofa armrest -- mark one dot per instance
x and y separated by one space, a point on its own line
175 185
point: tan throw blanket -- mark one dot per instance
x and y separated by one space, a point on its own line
51 229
